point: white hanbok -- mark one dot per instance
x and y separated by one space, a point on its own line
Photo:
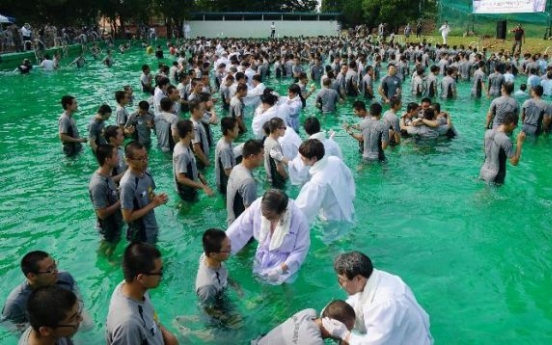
387 313
289 243
330 192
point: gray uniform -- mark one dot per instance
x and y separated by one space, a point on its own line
367 85
328 99
15 308
478 78
391 121
534 110
184 162
448 87
240 193
390 85
500 106
25 339
200 137
95 130
103 193
122 115
142 132
224 159
165 123
236 107
374 134
495 84
498 147
130 321
298 329
210 283
137 193
68 126
316 72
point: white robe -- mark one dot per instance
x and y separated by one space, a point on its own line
293 249
253 97
330 192
387 313
260 118
290 143
298 172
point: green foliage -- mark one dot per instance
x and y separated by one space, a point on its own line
256 5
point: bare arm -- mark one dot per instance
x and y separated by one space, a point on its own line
105 212
132 215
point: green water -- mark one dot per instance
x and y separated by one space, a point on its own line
477 258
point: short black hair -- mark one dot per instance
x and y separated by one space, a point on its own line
119 96
352 264
227 124
29 262
274 200
111 132
375 109
47 306
359 105
183 127
212 240
312 148
166 104
193 105
510 118
66 101
411 106
144 105
104 109
341 311
508 87
131 147
252 147
104 151
139 257
311 125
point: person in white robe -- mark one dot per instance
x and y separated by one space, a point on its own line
264 113
298 172
331 189
254 93
294 106
386 310
282 233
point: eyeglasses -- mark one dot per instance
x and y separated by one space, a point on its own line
141 159
51 270
283 127
77 316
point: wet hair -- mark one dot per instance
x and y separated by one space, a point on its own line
523 87
103 152
139 258
312 148
508 87
538 90
436 107
227 124
510 118
375 109
241 87
268 98
359 105
426 100
104 109
119 96
47 306
29 262
144 105
170 89
212 240
257 77
66 101
274 200
183 127
311 125
111 132
131 147
394 101
239 76
354 263
162 81
411 106
166 104
252 147
193 105
145 67
274 124
429 114
295 89
341 311
204 97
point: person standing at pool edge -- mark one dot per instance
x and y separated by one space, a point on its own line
68 131
386 310
498 147
272 30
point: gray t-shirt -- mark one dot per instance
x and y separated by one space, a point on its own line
103 193
478 78
68 126
200 137
391 121
130 321
374 134
271 145
184 162
165 123
240 192
236 107
140 123
534 110
498 147
210 283
122 115
95 131
390 85
495 84
24 339
328 99
448 87
139 190
224 159
500 106
15 308
298 329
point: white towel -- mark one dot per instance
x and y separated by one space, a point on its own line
281 230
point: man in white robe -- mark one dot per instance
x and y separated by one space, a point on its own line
386 310
282 232
331 189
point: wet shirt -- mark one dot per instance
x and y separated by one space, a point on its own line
374 134
501 106
241 191
534 110
498 148
298 329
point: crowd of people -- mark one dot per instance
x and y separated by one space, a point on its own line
178 109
